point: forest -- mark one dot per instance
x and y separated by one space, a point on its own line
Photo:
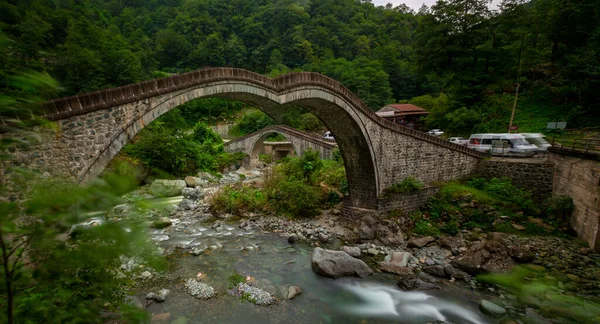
460 59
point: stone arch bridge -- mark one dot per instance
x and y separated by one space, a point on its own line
90 129
251 144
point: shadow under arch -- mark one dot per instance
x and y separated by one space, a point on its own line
335 106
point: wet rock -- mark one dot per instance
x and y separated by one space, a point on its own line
353 251
420 242
491 309
146 275
134 301
323 238
396 269
187 204
194 182
414 283
151 296
435 270
199 289
161 318
293 291
197 251
481 257
398 258
373 251
162 295
338 264
452 243
293 239
192 193
167 188
161 223
520 255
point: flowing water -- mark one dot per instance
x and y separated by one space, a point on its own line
275 265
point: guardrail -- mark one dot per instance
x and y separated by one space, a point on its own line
585 145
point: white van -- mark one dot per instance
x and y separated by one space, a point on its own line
498 144
538 140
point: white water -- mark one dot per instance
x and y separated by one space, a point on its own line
377 300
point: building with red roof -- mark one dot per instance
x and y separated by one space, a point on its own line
404 114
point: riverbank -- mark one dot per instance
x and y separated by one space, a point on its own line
450 263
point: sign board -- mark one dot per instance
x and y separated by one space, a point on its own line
557 125
514 127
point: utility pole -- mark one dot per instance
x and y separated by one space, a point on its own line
512 115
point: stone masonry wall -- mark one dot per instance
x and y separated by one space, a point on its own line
535 176
578 176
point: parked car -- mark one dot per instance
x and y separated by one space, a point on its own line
435 132
499 144
328 136
459 140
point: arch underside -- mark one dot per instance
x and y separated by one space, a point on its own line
338 115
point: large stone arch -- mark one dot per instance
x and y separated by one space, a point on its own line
94 127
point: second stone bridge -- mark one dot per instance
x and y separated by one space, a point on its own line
252 144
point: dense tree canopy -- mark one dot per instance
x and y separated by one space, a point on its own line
463 49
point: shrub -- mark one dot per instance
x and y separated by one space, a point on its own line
422 227
239 199
265 158
408 185
559 208
296 198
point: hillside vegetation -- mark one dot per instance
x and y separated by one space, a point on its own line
458 58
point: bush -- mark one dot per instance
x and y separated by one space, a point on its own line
296 198
559 208
265 158
407 185
239 199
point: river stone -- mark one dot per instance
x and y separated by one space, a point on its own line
151 296
396 269
491 308
161 318
192 193
162 295
187 204
420 242
167 188
323 238
413 283
293 239
435 270
293 291
337 264
398 258
194 182
161 223
199 289
353 251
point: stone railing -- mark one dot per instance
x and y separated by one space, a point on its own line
83 103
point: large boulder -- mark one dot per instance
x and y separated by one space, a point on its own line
482 257
167 188
337 264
